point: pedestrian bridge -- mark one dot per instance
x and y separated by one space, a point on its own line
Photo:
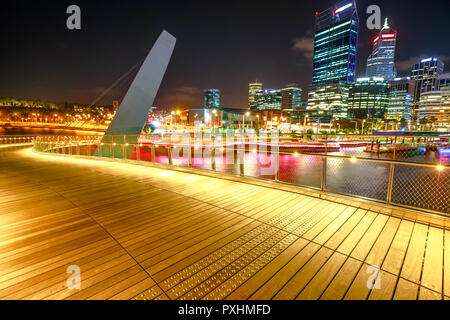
147 232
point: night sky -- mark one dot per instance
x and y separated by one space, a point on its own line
222 45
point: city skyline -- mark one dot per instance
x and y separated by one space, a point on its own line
280 56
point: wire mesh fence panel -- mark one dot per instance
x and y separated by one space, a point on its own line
259 164
304 170
421 187
201 158
145 153
161 155
180 156
361 178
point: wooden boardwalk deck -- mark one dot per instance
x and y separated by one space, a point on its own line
148 233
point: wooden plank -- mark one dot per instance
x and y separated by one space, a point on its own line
406 290
357 233
342 281
447 264
319 283
271 287
367 241
394 258
381 246
433 262
387 286
412 266
304 275
250 286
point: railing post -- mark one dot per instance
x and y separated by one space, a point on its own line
153 152
190 152
323 182
241 154
390 183
213 158
124 148
395 147
277 164
169 155
138 151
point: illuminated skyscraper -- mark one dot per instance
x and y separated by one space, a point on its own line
401 97
269 99
380 62
334 61
211 99
335 40
368 98
425 74
434 106
253 90
291 96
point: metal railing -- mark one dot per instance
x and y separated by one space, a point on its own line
16 139
410 172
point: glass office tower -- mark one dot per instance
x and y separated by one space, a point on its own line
335 40
254 89
269 99
368 98
380 62
401 96
334 61
211 99
291 96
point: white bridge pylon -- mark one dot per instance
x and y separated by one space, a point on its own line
132 113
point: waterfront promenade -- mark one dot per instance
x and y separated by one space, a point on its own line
143 232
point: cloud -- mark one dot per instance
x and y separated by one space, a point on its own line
183 96
304 45
186 90
405 65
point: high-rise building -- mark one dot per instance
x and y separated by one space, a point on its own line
269 99
434 106
291 96
253 89
368 98
401 96
328 101
335 41
425 74
211 99
334 61
380 62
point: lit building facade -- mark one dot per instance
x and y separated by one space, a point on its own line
254 89
335 42
334 60
269 99
434 106
328 101
380 62
425 74
401 98
368 98
211 99
291 96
